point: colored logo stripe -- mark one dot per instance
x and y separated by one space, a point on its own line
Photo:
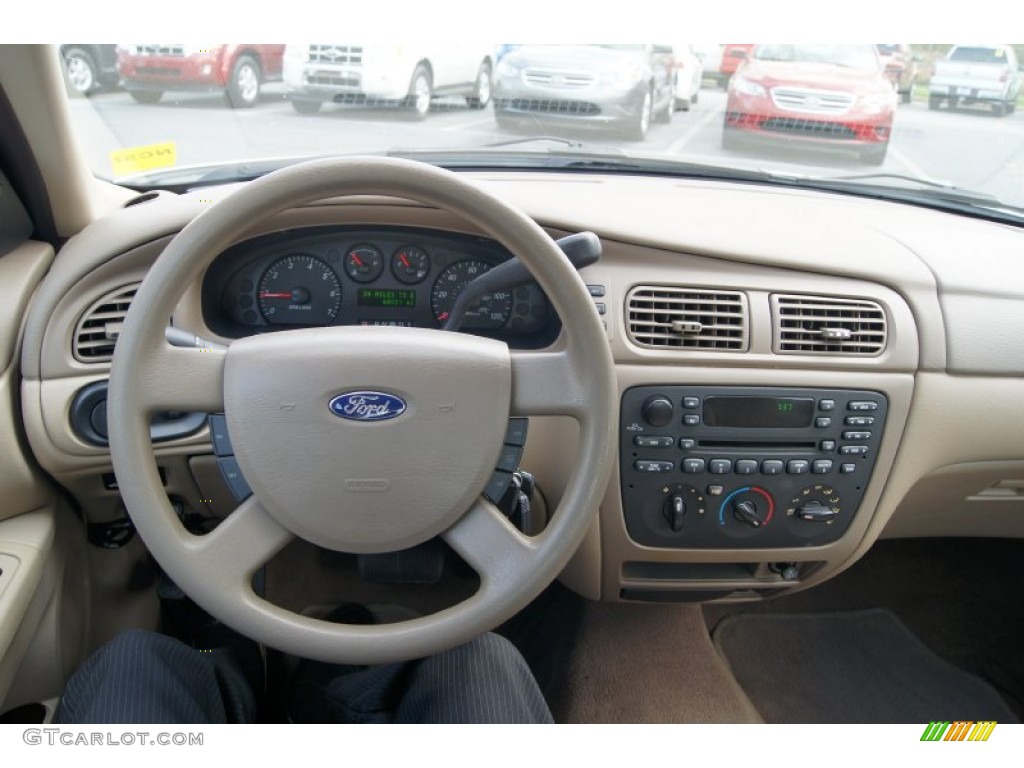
958 731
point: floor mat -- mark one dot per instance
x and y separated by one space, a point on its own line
854 667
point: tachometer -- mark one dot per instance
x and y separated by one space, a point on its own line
299 290
490 312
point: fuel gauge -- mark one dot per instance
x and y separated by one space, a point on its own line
410 264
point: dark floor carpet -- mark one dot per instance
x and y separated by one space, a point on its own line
851 667
963 598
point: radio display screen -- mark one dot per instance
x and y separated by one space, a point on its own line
759 412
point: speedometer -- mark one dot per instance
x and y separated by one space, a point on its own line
491 311
299 290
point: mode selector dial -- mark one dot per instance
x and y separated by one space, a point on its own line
816 504
657 411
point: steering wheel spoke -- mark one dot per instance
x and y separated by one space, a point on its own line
545 383
183 379
492 546
240 545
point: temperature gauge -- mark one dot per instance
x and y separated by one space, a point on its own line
364 263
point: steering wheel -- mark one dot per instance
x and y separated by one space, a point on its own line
361 486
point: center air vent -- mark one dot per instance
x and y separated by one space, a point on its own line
687 318
822 325
100 325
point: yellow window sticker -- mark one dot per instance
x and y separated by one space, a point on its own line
131 160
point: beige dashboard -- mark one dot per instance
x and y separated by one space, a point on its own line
950 363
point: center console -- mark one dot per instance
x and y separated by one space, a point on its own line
707 467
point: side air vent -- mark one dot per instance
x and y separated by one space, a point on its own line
687 318
823 325
100 325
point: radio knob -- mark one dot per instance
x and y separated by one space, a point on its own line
746 512
657 411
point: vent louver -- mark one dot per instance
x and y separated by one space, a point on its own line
687 318
99 327
823 325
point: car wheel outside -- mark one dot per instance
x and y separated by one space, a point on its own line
421 90
306 106
482 93
244 86
682 105
999 108
146 97
905 96
637 130
934 102
81 71
664 115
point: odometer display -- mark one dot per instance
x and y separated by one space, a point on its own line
299 290
386 297
491 312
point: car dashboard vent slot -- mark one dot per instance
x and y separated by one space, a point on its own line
100 325
687 318
824 325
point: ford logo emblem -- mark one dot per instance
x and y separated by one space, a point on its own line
367 406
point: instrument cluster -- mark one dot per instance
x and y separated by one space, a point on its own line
358 276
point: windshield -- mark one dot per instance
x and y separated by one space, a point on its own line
177 115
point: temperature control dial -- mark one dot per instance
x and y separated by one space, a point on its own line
746 511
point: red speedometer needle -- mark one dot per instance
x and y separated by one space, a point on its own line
356 259
405 261
272 295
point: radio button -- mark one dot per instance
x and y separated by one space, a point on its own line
654 466
720 466
856 435
746 466
853 450
847 469
862 405
691 419
823 421
827 445
693 466
859 421
826 405
798 467
687 442
772 467
691 402
654 441
821 466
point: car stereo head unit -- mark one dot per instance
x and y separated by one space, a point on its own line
746 467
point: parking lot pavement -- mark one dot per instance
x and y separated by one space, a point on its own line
201 125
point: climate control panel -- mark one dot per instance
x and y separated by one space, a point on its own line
745 467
